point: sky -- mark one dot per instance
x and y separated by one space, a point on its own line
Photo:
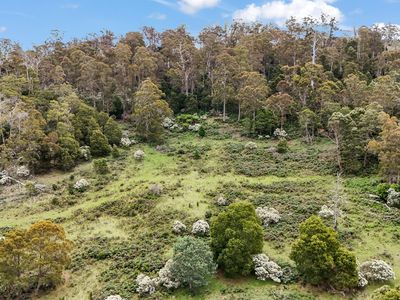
30 22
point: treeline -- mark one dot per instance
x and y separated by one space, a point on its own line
307 77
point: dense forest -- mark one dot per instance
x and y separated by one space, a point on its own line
307 84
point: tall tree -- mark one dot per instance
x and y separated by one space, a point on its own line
150 110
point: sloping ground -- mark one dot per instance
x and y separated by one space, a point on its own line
120 229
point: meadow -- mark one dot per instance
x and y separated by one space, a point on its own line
120 228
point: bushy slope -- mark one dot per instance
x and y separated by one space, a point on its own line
121 229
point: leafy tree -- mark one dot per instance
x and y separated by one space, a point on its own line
99 144
150 110
308 121
193 263
236 235
33 258
253 92
280 103
387 148
223 87
320 258
113 132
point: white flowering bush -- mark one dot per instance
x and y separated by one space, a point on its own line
170 124
268 215
23 171
114 297
81 185
362 282
40 188
326 212
4 178
156 189
194 127
200 227
266 269
222 201
84 152
280 133
127 142
393 198
165 277
139 155
251 146
178 227
377 270
146 285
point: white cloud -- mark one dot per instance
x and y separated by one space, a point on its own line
3 29
157 16
279 11
193 6
70 6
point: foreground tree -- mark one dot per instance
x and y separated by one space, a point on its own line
320 258
33 258
236 235
281 104
193 263
150 110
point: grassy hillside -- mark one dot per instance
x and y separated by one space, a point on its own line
120 229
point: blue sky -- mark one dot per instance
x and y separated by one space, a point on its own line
30 21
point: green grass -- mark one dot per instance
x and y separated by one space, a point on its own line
117 216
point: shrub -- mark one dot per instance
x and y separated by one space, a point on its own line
114 297
268 215
156 189
236 235
222 201
23 171
192 262
99 144
202 132
113 132
250 146
386 293
265 269
84 153
81 185
200 227
321 259
376 270
166 278
280 133
115 151
282 146
393 198
139 155
326 212
100 166
146 285
127 142
178 227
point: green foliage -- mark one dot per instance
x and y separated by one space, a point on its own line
266 122
99 144
382 189
100 166
282 146
386 293
193 263
115 151
202 132
320 258
33 259
113 132
236 235
185 120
